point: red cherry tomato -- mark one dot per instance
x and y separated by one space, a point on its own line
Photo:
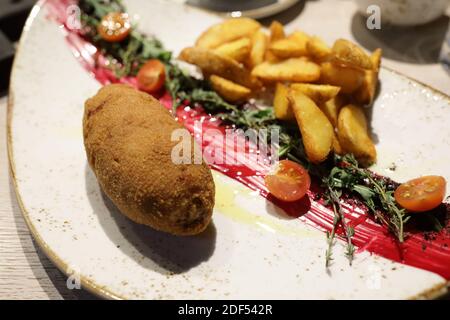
151 76
289 182
114 27
421 194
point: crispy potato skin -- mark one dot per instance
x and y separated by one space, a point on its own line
229 90
319 93
331 108
259 46
290 47
237 50
281 104
354 136
127 136
348 53
318 49
294 69
276 31
349 79
366 93
317 131
227 31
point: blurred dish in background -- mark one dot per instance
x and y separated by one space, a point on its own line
12 18
250 8
406 12
445 51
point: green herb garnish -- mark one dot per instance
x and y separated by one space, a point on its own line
125 57
376 193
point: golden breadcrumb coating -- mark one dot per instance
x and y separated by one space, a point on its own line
127 136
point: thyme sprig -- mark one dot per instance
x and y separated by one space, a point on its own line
333 198
347 177
376 192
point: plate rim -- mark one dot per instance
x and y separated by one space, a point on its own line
90 285
258 13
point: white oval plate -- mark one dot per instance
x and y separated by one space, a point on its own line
251 250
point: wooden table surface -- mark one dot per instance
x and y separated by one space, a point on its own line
26 273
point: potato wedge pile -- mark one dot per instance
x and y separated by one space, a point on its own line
321 88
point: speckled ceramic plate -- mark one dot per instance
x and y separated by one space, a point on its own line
251 250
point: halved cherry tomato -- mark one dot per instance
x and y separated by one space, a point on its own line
114 27
289 182
421 194
151 76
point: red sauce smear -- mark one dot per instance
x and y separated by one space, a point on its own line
417 251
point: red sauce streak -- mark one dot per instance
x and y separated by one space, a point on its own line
369 236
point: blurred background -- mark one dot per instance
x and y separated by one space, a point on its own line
413 33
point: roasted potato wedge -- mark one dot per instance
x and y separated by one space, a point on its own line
366 93
337 148
281 105
376 59
331 108
319 93
300 37
227 31
349 79
270 57
238 50
353 134
276 31
291 46
259 46
229 90
317 131
294 70
211 63
349 54
318 49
